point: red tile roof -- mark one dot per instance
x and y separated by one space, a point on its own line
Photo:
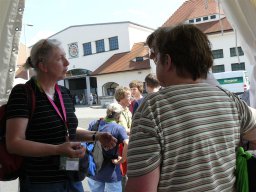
200 8
125 61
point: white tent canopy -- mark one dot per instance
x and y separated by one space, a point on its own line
11 12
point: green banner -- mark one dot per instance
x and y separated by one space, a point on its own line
231 80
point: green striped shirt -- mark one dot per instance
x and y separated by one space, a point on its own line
191 131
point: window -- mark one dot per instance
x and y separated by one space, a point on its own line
87 48
218 68
217 53
233 51
205 18
138 59
191 21
238 66
198 19
100 46
113 43
213 17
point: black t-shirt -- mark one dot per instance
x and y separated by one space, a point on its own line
45 126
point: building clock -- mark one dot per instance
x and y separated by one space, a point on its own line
73 50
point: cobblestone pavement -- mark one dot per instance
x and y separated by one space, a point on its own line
85 115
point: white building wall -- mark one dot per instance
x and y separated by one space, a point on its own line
128 34
122 78
138 34
225 42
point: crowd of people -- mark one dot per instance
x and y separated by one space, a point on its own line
182 136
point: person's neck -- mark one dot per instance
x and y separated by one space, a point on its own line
138 97
156 89
47 85
123 105
180 81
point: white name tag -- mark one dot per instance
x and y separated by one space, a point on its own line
69 164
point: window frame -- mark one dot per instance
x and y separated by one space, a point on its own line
218 68
217 53
238 66
113 43
87 50
232 51
100 46
205 18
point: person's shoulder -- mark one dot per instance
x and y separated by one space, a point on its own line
20 88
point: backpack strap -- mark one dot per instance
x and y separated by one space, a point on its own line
95 127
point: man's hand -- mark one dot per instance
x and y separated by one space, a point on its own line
117 161
106 140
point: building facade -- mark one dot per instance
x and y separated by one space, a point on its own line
209 17
89 47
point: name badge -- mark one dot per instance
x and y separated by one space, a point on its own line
69 164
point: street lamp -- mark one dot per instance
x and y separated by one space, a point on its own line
25 41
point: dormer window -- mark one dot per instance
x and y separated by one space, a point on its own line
213 17
191 21
198 19
138 59
205 18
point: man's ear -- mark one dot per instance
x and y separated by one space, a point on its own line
168 62
42 67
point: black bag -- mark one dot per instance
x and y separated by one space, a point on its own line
11 164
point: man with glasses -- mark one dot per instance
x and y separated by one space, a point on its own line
184 137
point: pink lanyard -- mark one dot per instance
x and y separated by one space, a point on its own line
64 117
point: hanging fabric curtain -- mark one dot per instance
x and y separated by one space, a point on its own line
241 15
11 12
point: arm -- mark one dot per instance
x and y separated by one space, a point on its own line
147 182
251 134
125 149
17 143
124 154
107 140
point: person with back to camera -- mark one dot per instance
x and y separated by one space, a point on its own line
51 135
191 129
108 179
152 83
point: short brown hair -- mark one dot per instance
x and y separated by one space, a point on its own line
120 92
137 84
188 47
152 81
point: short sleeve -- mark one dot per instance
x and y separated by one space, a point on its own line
90 127
248 117
18 103
122 134
144 150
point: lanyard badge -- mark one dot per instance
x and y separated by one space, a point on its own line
66 163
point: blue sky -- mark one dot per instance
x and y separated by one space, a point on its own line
50 16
